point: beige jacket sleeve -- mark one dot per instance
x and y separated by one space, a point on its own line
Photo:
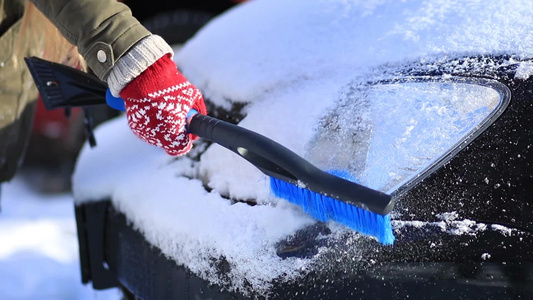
103 30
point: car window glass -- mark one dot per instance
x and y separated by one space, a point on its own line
385 135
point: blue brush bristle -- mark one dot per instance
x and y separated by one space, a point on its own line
325 208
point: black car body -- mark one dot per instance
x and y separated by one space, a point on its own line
462 220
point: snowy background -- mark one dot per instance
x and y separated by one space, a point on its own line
39 248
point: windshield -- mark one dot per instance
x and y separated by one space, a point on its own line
386 135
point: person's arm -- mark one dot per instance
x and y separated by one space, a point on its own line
103 30
137 65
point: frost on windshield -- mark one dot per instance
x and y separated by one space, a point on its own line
387 134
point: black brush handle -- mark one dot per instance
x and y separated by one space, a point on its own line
277 161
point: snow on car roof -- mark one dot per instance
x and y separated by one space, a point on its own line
289 60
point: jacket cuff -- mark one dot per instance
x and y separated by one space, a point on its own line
142 55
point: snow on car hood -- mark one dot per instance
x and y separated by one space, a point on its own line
266 46
290 61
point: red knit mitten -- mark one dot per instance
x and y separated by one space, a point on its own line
157 102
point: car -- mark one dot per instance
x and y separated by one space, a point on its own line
428 101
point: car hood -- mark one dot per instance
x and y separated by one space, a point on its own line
281 67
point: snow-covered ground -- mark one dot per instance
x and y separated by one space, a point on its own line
38 247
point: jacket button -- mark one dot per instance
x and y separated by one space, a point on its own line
102 57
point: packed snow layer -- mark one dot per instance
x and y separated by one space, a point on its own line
291 61
178 215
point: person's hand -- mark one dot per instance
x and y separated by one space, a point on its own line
157 102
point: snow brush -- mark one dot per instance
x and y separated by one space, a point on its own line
322 195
